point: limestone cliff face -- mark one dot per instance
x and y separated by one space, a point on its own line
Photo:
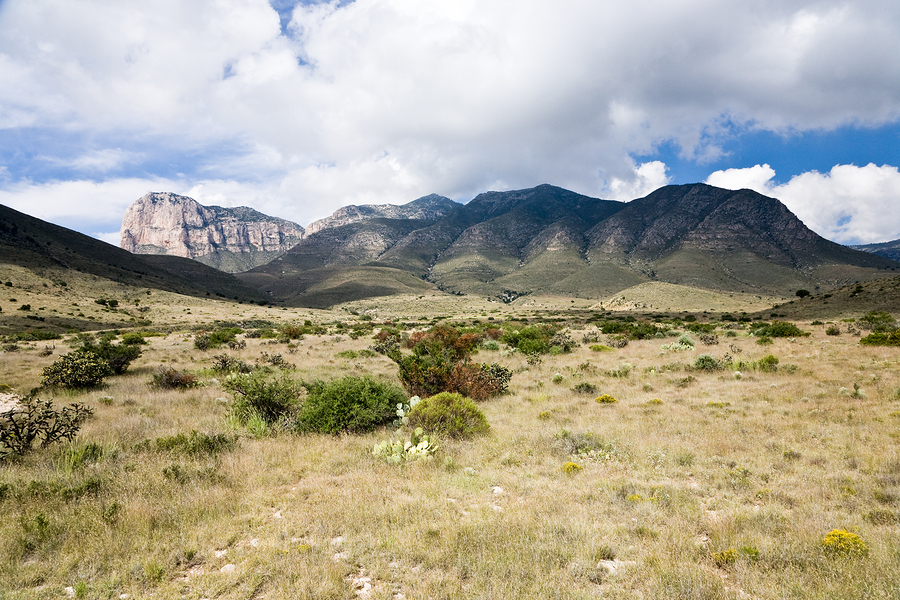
230 239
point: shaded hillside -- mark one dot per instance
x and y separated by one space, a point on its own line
889 250
35 244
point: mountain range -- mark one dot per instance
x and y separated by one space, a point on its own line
549 240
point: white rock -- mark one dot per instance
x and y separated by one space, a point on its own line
498 490
255 542
336 542
338 557
227 569
277 515
70 592
220 553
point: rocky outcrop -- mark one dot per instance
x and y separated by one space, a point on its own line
229 239
426 208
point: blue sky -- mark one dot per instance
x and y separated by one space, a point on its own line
297 109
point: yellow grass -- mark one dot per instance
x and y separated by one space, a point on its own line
766 465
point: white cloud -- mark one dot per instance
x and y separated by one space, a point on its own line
386 100
97 161
648 176
849 204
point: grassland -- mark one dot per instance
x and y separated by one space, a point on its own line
693 484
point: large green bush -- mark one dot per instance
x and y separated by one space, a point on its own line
449 415
117 356
257 396
76 370
778 329
352 404
880 338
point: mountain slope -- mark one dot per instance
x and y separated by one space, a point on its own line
889 250
548 240
35 244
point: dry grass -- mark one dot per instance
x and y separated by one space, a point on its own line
674 472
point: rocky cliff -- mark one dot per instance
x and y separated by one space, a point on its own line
230 239
426 208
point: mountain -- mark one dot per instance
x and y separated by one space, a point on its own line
229 239
889 250
430 207
549 240
37 245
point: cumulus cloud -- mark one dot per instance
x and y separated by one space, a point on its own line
648 176
387 100
848 204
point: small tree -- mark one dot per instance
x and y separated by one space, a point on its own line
802 293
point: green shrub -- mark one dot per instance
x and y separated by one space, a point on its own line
118 357
171 378
585 388
133 339
882 339
705 362
779 329
36 421
76 370
351 404
449 415
767 364
256 396
833 330
878 321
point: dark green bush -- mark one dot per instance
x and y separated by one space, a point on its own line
273 400
449 415
878 321
118 356
352 404
882 339
778 329
217 338
705 362
133 339
36 421
585 388
767 364
76 370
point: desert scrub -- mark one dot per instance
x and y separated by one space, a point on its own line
571 468
449 415
605 399
351 404
34 421
843 543
705 362
77 370
117 356
725 558
258 397
170 378
440 362
778 329
585 388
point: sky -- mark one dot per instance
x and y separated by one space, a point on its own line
299 108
